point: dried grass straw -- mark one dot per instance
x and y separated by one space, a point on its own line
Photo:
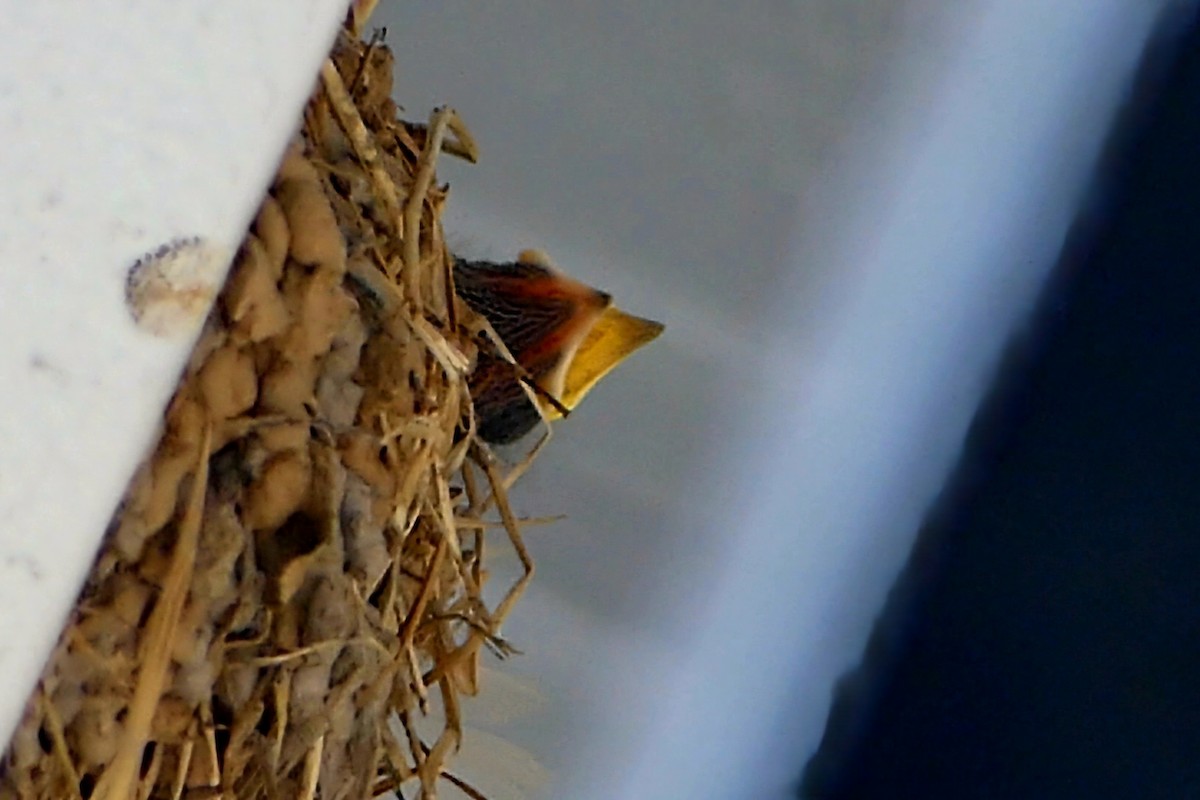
298 566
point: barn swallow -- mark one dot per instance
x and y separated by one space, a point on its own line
565 335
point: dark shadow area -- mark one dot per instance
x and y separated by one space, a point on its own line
1044 640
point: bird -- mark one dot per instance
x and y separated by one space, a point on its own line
563 334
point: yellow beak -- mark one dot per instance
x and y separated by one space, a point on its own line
612 339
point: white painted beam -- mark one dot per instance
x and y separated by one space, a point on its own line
127 126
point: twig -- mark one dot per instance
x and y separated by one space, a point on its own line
117 781
514 534
312 769
61 752
361 140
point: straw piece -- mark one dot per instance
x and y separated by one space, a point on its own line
356 130
116 783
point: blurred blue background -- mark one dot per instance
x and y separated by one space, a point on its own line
1040 643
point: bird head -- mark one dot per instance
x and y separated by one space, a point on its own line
564 335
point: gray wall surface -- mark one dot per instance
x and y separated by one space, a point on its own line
839 208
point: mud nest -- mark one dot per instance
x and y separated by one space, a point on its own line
296 570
